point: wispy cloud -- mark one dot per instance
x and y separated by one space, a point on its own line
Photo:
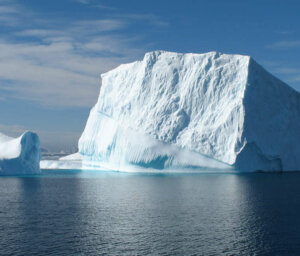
149 18
270 64
83 1
96 4
285 32
92 26
288 73
42 33
54 74
105 7
295 79
60 65
285 44
7 9
288 70
292 74
9 12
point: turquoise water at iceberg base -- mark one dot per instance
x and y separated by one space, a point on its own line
109 213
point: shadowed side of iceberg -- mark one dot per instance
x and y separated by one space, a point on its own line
271 123
25 156
253 159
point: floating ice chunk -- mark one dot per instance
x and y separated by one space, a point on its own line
19 155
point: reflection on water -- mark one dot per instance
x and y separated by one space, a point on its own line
85 213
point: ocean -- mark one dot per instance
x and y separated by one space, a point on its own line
109 213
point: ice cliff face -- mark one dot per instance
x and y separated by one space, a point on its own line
209 110
19 155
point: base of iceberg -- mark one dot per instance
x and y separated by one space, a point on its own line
125 149
97 166
19 155
149 156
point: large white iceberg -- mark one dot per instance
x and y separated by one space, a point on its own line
209 111
19 155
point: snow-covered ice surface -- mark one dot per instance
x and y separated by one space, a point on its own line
19 155
207 111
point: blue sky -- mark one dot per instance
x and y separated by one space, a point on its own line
53 52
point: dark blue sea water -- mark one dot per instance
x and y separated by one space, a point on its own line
87 213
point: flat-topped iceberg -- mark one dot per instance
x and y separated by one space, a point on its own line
211 111
19 155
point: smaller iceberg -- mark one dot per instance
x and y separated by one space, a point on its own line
20 155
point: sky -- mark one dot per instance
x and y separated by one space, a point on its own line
53 52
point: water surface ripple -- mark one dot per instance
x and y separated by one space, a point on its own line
85 213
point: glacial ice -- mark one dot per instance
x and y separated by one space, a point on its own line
211 111
19 155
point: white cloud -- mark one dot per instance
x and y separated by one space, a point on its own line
288 70
285 32
62 65
53 74
95 4
92 26
150 18
83 1
284 71
39 32
7 9
292 74
295 79
285 44
105 7
59 64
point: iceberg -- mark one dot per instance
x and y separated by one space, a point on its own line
212 111
19 155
